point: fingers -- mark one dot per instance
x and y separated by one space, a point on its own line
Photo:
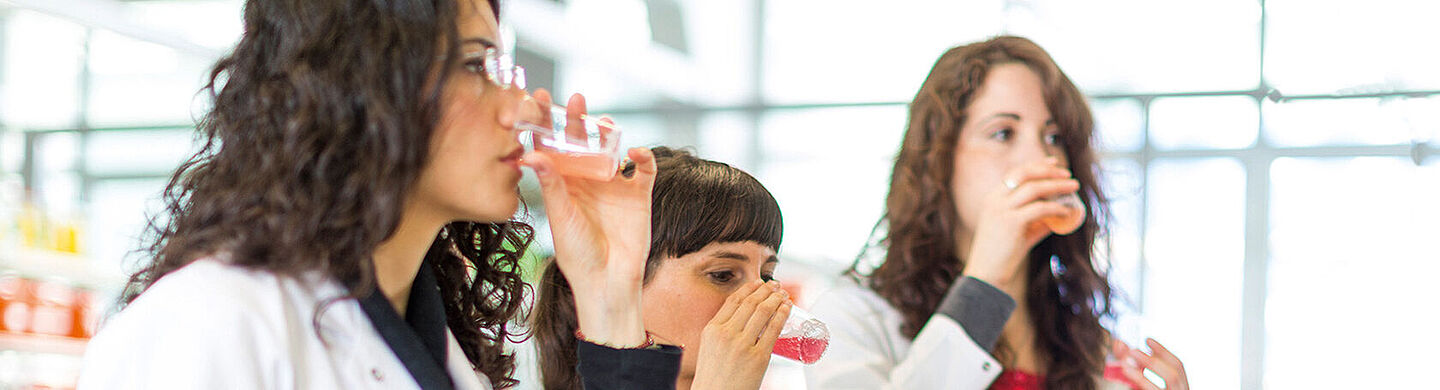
1138 378
552 186
574 111
1037 210
645 169
764 312
1166 372
1165 355
747 306
1042 189
733 302
773 328
1047 168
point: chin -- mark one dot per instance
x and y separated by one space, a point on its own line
500 210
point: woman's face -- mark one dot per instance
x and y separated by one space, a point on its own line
474 154
1006 125
686 291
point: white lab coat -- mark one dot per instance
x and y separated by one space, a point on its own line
212 325
867 350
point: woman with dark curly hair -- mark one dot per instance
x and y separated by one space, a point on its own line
988 235
348 221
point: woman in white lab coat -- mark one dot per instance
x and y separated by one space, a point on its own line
348 221
973 288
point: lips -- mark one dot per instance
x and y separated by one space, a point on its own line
513 156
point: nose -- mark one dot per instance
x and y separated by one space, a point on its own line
1033 148
510 102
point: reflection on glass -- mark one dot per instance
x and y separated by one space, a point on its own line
1214 122
1352 242
1194 257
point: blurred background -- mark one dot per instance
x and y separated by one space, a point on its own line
1273 163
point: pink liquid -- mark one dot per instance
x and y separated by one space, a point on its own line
1066 224
1114 372
802 349
590 166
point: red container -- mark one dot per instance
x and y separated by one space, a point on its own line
16 302
53 313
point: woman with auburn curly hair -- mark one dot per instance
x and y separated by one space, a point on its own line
348 222
988 236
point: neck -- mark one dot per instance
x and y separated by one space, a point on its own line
684 382
399 257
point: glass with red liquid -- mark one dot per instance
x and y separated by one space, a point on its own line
803 339
578 144
1068 223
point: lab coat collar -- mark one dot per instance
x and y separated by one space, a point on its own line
420 339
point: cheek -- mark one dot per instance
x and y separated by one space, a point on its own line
975 176
680 312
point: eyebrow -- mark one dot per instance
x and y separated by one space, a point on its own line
736 256
487 43
1014 116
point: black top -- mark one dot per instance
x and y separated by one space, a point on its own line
604 368
419 339
419 342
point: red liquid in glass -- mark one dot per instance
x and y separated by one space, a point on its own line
802 349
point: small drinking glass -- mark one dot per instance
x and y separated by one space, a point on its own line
578 144
803 339
1069 223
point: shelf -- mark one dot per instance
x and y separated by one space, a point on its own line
50 265
41 344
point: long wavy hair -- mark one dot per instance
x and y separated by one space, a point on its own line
1068 291
695 202
322 121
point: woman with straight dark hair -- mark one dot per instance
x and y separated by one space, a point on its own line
348 221
981 252
708 282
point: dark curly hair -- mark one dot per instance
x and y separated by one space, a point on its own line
322 120
921 259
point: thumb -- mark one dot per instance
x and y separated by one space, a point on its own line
552 186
